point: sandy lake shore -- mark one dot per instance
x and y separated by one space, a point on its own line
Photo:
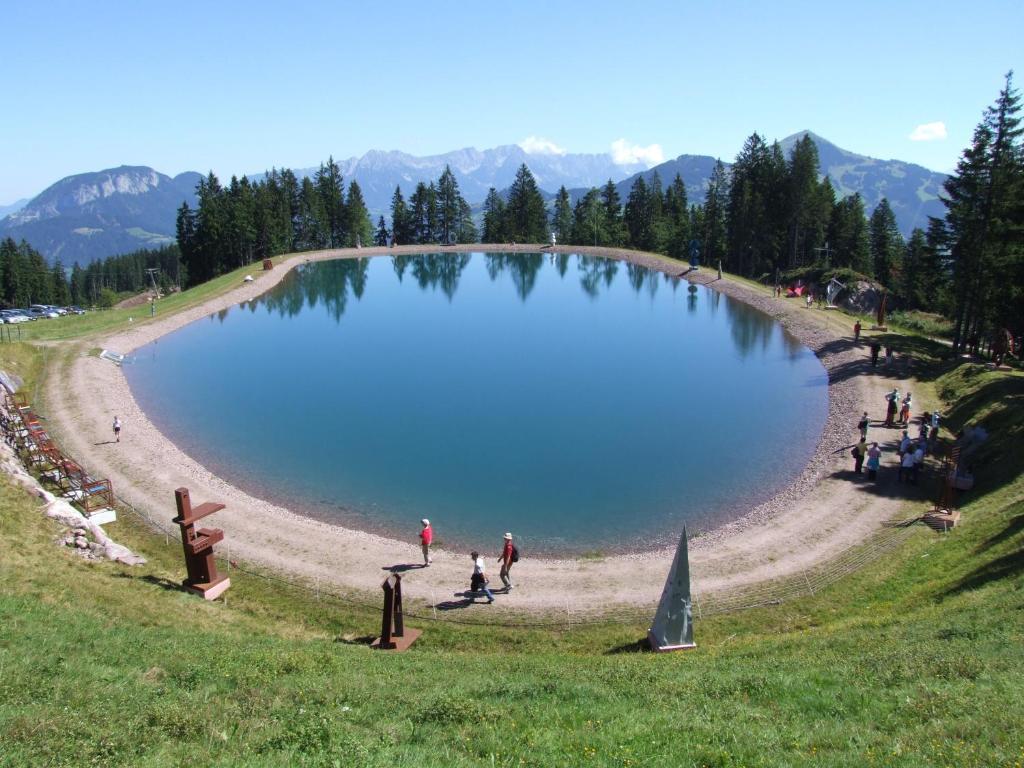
818 515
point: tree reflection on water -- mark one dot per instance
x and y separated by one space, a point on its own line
332 283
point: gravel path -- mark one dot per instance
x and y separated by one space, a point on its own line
819 514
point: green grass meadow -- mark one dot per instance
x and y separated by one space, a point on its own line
916 660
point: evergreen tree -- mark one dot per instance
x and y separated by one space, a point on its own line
383 236
466 227
807 219
912 285
312 228
848 235
715 223
423 214
659 225
240 237
526 215
330 187
638 219
448 210
561 217
401 231
358 226
886 244
983 222
613 227
78 295
60 291
187 242
677 219
934 269
756 215
588 219
495 229
39 282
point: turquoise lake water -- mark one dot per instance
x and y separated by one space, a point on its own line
581 403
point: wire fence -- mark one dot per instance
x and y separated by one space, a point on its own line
805 583
705 603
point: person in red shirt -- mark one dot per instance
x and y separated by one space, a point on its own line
426 536
506 561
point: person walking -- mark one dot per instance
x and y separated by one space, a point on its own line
426 539
507 557
863 425
875 349
117 429
478 581
889 357
874 460
859 451
856 332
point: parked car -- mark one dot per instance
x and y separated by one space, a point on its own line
74 310
13 316
41 310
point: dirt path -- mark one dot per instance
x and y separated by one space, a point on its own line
818 515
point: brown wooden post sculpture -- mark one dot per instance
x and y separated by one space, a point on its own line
203 578
267 265
394 636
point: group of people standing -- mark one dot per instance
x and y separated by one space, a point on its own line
478 581
910 452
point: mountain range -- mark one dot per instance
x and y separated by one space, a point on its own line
93 215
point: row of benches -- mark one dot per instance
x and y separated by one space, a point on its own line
23 431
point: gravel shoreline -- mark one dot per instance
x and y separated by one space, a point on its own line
780 536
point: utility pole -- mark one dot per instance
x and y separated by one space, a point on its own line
152 272
828 254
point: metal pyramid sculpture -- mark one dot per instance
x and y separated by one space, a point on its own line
672 629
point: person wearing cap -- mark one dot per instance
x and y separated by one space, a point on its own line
426 536
506 561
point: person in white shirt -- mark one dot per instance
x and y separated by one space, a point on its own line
478 581
906 467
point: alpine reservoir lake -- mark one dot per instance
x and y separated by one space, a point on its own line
584 404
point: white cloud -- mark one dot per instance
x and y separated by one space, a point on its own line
535 145
929 132
624 153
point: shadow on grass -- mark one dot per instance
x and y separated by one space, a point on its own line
350 640
468 599
637 646
1006 567
156 581
999 399
1013 527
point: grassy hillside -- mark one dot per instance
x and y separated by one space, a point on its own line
915 661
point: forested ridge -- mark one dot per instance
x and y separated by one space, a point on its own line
768 217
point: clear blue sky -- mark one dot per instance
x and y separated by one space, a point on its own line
237 87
